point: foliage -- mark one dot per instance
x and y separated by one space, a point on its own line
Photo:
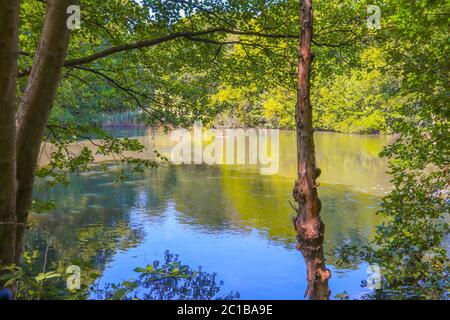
410 246
168 280
72 149
361 99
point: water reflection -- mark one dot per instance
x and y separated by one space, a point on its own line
317 274
166 280
229 219
344 159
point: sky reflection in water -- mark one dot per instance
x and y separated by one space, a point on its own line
227 219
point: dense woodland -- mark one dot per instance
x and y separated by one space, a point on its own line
168 63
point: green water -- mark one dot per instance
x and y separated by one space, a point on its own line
228 219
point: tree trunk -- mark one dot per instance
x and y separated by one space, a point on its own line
9 24
308 224
36 104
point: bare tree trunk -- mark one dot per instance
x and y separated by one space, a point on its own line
308 224
36 104
9 24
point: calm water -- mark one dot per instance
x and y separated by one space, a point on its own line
229 220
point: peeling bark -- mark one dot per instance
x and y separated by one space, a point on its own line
307 223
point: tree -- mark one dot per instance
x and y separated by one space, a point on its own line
9 21
308 224
409 246
35 106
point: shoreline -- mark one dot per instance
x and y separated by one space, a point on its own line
374 133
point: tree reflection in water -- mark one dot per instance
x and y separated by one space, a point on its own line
168 281
316 270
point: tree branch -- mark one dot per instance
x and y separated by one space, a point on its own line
130 92
189 35
152 42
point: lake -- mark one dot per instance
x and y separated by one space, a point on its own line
228 219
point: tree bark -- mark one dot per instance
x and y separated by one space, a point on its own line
36 104
307 223
9 24
309 226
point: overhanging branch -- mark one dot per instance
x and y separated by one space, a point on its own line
189 35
